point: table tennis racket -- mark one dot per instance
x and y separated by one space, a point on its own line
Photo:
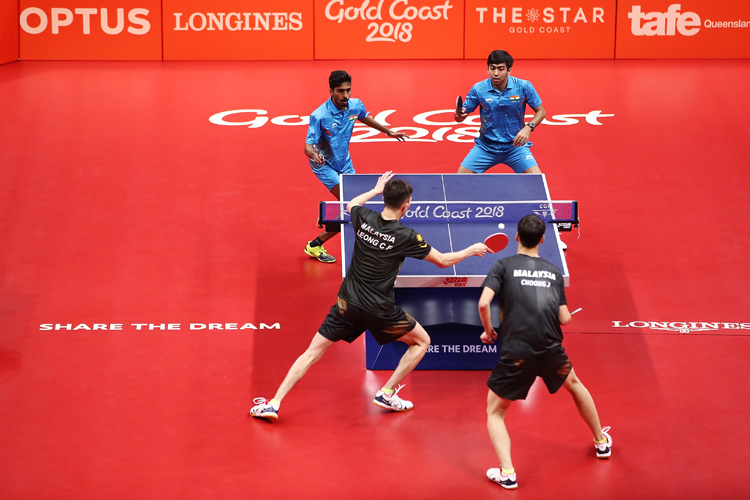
496 242
320 155
459 105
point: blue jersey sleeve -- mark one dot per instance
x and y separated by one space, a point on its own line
362 111
472 100
313 130
532 98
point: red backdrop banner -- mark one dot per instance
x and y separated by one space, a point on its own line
693 29
8 31
541 29
238 29
93 30
389 29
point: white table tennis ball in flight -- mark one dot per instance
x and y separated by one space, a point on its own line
501 226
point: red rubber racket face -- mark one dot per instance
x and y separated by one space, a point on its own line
496 242
459 104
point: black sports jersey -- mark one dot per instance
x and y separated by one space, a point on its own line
531 291
380 247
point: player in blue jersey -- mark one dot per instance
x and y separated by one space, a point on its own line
504 135
327 145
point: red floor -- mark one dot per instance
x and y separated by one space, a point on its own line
121 203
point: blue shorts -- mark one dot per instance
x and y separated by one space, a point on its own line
328 175
481 157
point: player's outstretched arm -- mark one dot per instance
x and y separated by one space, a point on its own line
378 189
370 122
489 335
444 260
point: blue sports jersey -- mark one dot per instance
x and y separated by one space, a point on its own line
331 129
502 113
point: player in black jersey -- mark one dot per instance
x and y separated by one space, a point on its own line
365 299
532 308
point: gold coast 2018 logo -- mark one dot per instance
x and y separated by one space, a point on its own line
397 27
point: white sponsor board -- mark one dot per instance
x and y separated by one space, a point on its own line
685 326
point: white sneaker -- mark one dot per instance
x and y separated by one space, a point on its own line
264 410
506 481
604 450
392 402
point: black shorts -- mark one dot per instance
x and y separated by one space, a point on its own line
347 322
512 378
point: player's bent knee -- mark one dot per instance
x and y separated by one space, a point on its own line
572 381
423 338
418 336
496 405
533 170
313 355
464 170
318 347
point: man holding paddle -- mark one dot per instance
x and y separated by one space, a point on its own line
533 306
504 135
366 299
327 145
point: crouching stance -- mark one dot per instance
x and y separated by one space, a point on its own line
365 299
533 305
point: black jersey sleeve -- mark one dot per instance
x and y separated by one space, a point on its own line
561 286
494 279
354 213
417 247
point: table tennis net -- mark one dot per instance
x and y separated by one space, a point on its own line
463 211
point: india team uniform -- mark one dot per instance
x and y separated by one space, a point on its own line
502 117
366 298
531 291
330 131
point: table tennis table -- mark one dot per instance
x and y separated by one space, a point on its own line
452 212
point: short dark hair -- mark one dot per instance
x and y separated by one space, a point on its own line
500 57
338 77
396 192
530 230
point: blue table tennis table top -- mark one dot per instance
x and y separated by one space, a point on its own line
454 236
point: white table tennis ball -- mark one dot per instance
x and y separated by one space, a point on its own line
501 226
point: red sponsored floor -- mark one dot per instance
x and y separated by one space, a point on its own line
123 202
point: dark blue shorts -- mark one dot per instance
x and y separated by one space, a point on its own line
328 175
483 157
